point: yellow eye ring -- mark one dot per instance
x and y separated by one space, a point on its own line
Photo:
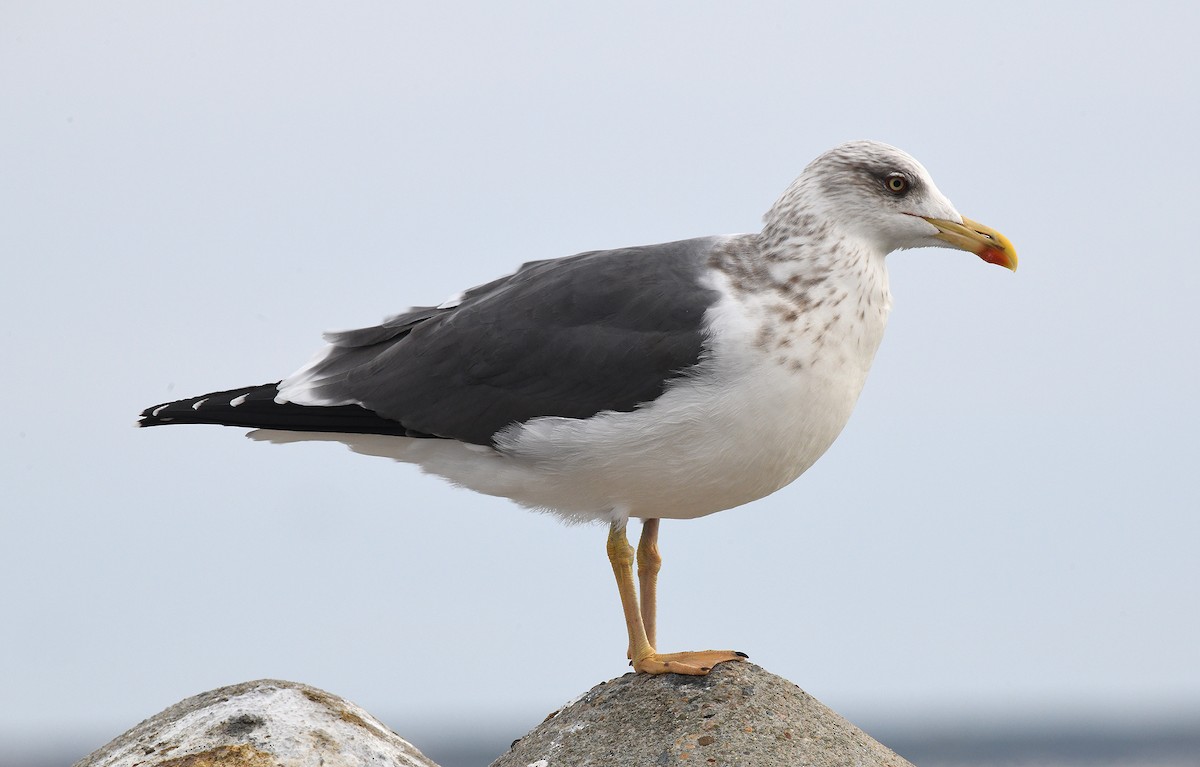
896 183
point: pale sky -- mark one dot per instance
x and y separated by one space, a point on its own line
191 192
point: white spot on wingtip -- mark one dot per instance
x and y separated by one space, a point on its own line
157 410
237 401
198 403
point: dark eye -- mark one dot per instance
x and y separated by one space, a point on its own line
896 183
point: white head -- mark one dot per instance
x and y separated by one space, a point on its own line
882 198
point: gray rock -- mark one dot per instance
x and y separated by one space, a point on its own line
259 724
739 715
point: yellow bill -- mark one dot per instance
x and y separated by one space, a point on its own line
976 238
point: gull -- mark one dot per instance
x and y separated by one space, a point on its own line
665 381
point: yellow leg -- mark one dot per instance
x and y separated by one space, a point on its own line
644 657
620 555
649 563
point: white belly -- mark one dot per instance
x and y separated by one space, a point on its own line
692 452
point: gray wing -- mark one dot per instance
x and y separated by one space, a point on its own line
570 337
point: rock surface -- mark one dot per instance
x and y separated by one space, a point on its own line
737 715
259 724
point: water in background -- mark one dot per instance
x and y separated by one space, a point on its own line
1175 745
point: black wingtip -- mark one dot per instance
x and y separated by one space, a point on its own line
254 407
219 408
